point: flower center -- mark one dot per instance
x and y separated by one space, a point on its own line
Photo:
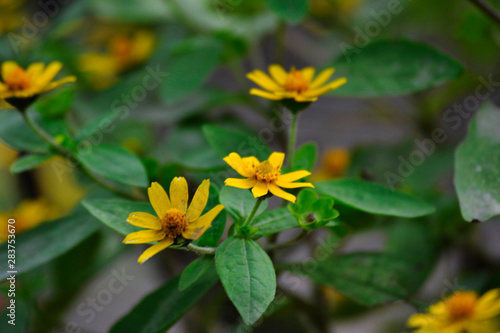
121 47
461 305
18 80
266 172
295 81
174 222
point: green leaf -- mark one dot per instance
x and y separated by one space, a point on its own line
373 198
305 157
28 162
162 308
274 221
48 241
213 234
114 212
15 133
225 141
239 202
368 278
195 271
393 67
134 11
189 67
248 276
56 104
477 172
114 163
292 11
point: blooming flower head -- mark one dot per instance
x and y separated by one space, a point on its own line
463 311
300 85
264 177
174 217
334 164
18 83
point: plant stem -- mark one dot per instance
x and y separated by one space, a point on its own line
44 135
487 9
254 211
292 138
280 42
202 250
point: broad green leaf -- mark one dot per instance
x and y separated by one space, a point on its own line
48 241
368 278
28 162
392 67
239 202
213 234
163 307
189 67
15 133
477 166
225 141
305 157
374 198
195 271
114 163
292 11
114 212
248 276
274 221
134 11
56 104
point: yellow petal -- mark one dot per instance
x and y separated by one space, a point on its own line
278 74
240 183
179 193
144 236
236 162
260 189
488 305
293 176
263 80
308 73
55 84
300 98
323 90
152 250
250 163
322 78
144 220
50 72
199 201
7 68
197 228
159 199
280 193
265 94
35 70
420 320
293 185
276 159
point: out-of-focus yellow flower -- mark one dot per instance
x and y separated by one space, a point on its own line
300 85
264 177
7 156
29 214
36 79
174 217
334 164
123 52
463 311
10 15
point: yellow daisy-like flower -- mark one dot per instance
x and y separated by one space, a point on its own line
35 80
300 85
173 219
463 311
264 177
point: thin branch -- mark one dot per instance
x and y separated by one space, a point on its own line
487 9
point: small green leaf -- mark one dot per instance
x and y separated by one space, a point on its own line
162 308
305 157
477 171
213 234
114 163
274 221
56 104
48 241
248 276
373 198
195 271
15 133
239 202
114 212
28 162
292 11
392 67
312 212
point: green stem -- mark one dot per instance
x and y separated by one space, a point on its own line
254 211
292 138
281 42
202 250
44 135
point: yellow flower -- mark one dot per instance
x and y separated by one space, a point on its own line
37 79
266 176
334 164
10 15
463 311
174 218
300 85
